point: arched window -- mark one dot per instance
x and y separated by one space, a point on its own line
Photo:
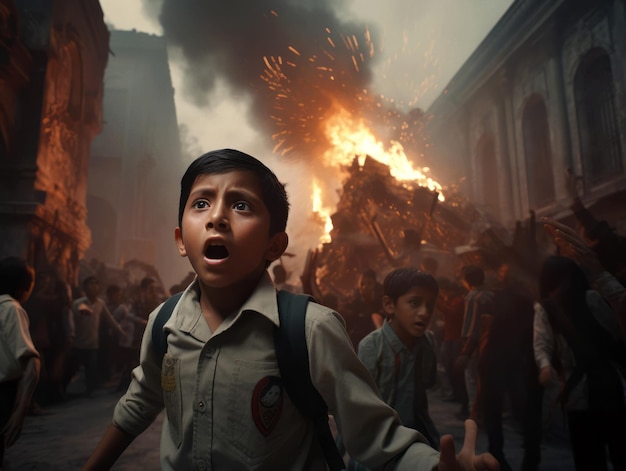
488 174
538 152
597 120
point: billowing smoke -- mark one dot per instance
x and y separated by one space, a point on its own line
294 63
294 60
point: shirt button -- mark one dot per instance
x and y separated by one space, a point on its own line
210 351
201 406
201 465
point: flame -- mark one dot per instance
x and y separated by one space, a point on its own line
322 212
350 138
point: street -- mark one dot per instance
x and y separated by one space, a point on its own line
62 440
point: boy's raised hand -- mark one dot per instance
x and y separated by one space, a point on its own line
467 459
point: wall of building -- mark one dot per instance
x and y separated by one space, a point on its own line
512 120
136 164
51 110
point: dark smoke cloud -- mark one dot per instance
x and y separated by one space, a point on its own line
228 40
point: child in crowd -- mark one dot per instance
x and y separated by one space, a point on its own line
127 356
89 311
220 357
401 355
577 342
477 319
19 360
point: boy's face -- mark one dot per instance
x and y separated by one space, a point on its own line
410 314
92 289
225 230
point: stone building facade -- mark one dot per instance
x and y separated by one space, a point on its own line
136 165
52 59
544 91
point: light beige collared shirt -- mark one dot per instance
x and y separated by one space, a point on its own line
225 405
15 341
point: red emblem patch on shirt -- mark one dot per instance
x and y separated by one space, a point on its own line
267 404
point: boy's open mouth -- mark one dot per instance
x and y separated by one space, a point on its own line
216 252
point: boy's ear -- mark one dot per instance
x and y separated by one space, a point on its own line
277 246
178 236
388 305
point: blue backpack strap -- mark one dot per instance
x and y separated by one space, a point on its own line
292 357
159 336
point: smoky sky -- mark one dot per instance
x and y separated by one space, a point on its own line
293 60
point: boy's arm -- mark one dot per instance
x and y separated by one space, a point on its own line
543 344
370 428
111 446
109 319
25 391
367 350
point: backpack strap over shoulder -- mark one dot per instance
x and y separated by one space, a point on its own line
293 361
159 336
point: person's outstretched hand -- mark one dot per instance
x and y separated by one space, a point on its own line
467 459
572 245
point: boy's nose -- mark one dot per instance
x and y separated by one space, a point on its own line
217 220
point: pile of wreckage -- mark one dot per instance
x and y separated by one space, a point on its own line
382 223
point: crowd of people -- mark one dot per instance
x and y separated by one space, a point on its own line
504 334
53 334
501 332
85 327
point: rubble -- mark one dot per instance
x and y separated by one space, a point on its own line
382 223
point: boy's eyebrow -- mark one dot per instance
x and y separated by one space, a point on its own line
232 193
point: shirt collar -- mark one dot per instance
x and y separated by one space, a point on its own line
262 300
396 344
392 338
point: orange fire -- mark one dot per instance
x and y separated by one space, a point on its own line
350 138
322 212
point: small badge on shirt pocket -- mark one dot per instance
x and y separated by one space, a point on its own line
267 404
172 396
168 374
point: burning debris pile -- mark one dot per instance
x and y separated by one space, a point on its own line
382 223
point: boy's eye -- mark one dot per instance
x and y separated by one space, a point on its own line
200 204
416 302
242 206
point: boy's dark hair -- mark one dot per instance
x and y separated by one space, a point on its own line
146 281
227 160
401 280
475 276
16 276
89 280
